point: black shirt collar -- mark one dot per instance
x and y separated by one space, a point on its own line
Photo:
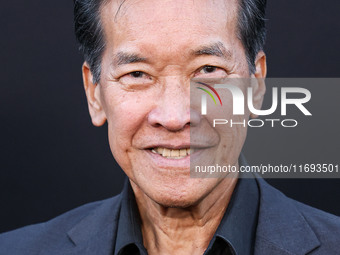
237 230
235 234
129 235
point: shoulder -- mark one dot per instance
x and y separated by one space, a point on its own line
317 218
326 226
30 239
303 227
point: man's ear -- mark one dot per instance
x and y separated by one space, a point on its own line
259 86
93 97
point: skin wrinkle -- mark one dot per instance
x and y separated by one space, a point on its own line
179 213
216 49
200 223
237 24
119 8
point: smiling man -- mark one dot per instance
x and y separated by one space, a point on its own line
152 50
140 57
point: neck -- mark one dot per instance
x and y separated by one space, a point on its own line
183 230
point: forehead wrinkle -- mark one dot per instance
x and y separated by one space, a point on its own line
118 9
216 49
122 8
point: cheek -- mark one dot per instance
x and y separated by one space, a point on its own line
231 143
231 129
126 113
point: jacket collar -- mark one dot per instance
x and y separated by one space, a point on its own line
94 234
282 228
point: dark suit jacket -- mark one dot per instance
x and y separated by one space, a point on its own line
285 227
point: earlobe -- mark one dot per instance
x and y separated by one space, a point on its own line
92 91
260 74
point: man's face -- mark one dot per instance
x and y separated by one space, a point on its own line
153 49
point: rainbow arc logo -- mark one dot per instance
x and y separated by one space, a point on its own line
209 93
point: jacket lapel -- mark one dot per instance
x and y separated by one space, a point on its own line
281 229
94 234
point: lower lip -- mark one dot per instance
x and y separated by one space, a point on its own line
174 164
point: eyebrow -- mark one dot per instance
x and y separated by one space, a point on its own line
215 49
124 58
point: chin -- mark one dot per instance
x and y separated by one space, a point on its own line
178 197
174 202
175 192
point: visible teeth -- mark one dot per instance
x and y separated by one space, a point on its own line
166 152
173 154
183 152
159 150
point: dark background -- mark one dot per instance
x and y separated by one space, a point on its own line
53 159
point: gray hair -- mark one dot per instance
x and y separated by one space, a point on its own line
89 31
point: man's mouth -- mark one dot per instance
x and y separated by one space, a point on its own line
172 153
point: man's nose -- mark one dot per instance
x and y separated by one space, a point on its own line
173 108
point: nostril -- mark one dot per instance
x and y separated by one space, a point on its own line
171 119
195 118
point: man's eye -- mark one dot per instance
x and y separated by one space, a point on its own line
136 78
208 69
211 72
137 74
